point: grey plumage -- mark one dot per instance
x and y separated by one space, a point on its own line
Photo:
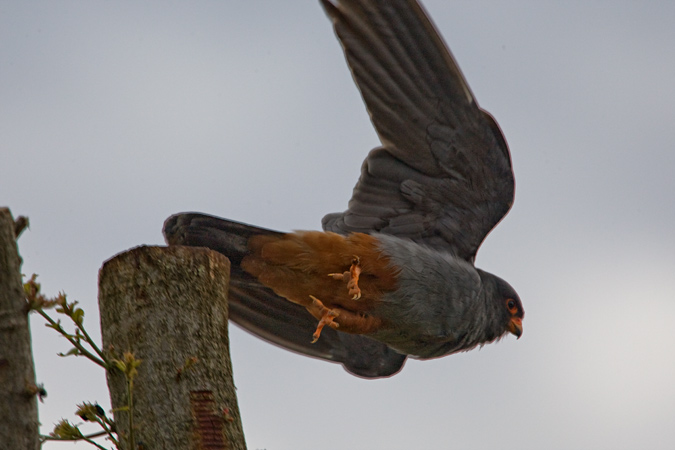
428 325
443 175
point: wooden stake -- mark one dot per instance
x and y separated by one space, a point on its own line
18 402
168 306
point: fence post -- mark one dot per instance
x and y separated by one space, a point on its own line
18 402
168 306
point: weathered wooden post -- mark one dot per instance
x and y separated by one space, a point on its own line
18 402
168 306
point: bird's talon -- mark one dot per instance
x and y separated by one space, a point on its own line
327 316
351 277
353 284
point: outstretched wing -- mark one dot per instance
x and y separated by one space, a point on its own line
443 174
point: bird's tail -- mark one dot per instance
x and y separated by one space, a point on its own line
252 306
224 236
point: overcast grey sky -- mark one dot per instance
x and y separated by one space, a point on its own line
114 115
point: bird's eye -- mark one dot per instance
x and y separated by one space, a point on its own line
511 306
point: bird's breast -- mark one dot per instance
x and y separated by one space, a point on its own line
431 311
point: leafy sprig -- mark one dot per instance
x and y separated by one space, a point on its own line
83 345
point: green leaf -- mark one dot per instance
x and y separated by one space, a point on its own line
72 351
66 430
119 365
77 316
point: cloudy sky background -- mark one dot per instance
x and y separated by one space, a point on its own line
114 115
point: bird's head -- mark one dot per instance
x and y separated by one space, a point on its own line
509 308
512 307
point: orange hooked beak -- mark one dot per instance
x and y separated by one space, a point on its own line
516 326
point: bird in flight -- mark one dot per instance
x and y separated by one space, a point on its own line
393 276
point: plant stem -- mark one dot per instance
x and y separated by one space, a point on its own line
88 436
108 431
132 443
94 443
76 344
93 345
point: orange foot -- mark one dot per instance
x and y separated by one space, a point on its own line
327 315
351 277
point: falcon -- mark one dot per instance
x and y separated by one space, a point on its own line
393 276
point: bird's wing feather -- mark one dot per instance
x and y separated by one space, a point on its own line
443 174
261 312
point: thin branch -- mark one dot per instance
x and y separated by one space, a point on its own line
93 345
88 436
57 326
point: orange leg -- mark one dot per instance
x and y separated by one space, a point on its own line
351 277
347 321
317 309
